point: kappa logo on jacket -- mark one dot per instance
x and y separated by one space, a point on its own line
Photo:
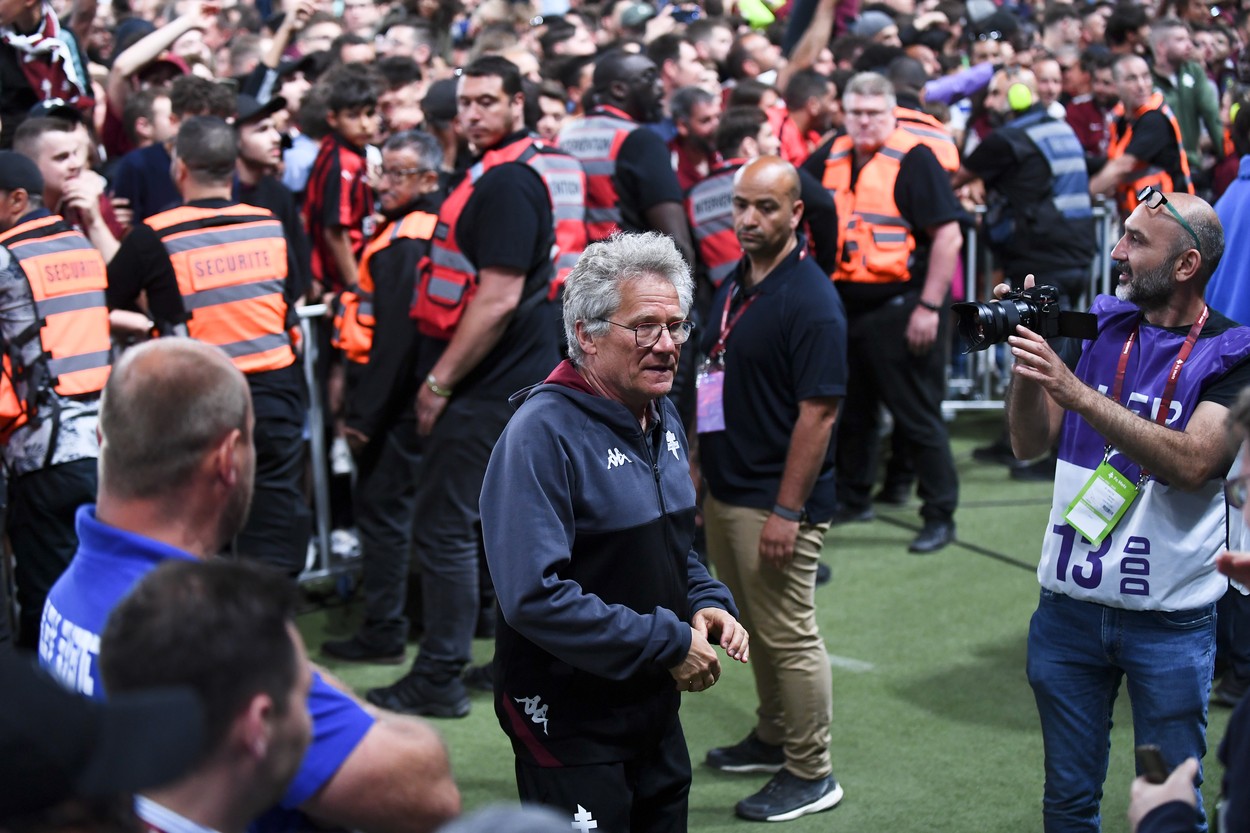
536 713
617 458
673 445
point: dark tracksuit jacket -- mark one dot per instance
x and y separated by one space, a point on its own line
588 524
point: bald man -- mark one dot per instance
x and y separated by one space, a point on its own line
177 464
1139 414
768 400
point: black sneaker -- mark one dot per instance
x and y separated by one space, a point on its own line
824 574
787 796
748 755
480 677
361 649
419 694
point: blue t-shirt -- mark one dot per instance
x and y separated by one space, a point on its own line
110 561
142 176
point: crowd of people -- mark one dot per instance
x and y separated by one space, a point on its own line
518 215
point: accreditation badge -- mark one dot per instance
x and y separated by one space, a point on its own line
710 385
1101 503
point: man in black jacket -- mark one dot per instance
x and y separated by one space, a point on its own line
380 343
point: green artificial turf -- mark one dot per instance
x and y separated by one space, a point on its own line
934 725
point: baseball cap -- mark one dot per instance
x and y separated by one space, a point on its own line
439 103
636 16
56 108
168 59
870 23
249 109
56 745
17 171
312 65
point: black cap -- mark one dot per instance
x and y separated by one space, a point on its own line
55 744
17 171
312 65
439 103
56 108
249 109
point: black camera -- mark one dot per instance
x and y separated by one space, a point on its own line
982 325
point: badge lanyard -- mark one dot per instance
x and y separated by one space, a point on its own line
1107 495
1169 390
727 324
710 383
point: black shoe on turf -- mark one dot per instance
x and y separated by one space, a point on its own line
893 494
845 514
998 451
934 536
787 796
359 648
748 755
419 694
824 574
480 677
1229 692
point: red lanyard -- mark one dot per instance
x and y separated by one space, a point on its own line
1169 390
726 323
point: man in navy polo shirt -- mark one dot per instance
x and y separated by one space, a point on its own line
769 394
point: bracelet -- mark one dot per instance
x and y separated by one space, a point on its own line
436 388
793 515
930 307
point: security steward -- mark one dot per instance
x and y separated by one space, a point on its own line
1144 146
217 271
629 172
1041 221
55 332
746 134
379 341
899 248
507 231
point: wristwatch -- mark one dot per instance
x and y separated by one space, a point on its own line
436 388
794 515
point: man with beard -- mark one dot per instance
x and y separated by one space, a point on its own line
1041 220
696 115
630 181
1128 556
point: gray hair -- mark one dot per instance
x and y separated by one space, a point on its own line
429 152
682 103
593 289
871 83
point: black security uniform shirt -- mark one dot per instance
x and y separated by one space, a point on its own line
788 346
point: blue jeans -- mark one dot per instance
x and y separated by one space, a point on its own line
1078 653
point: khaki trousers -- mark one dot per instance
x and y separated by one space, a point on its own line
778 609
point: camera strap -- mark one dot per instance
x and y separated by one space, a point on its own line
1107 495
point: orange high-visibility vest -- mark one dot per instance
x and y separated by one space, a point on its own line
1117 144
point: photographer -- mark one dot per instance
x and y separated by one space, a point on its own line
1128 557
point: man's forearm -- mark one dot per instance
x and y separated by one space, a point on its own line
1113 174
340 243
1186 459
943 255
1031 422
809 443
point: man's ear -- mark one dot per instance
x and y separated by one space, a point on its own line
225 458
1188 263
253 727
585 340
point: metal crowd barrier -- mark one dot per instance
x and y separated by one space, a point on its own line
977 381
311 318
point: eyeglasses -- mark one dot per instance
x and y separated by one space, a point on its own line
992 35
1152 197
1237 490
402 173
648 335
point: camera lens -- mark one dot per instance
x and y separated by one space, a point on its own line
981 325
